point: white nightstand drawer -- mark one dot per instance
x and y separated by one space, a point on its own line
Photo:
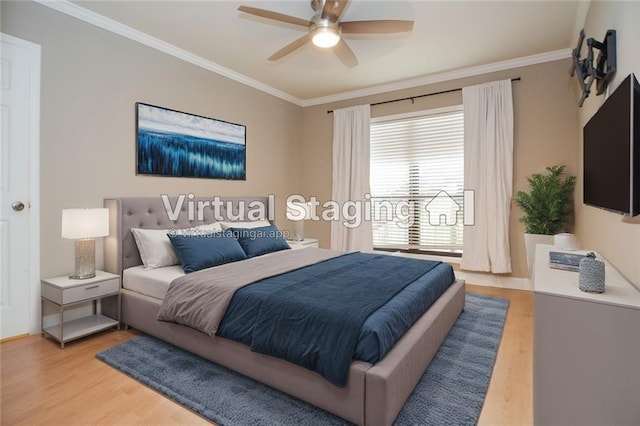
88 291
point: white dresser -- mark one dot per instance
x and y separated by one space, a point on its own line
586 348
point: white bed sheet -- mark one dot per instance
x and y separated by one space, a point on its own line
150 282
154 282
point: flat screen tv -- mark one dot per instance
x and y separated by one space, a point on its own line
612 152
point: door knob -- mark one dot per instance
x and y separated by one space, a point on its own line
17 206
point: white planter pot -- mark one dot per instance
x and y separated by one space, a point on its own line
530 241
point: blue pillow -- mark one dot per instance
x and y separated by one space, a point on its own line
207 250
259 241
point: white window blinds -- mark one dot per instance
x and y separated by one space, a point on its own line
417 173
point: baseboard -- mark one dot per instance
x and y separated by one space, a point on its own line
9 339
477 278
492 280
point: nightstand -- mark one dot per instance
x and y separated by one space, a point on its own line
64 292
306 243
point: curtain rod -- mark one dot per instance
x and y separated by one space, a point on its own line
413 98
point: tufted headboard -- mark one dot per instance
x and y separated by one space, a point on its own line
120 250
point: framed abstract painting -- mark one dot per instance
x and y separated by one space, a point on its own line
174 143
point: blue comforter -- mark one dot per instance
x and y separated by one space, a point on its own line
313 318
380 331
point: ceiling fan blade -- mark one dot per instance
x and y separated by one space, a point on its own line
275 16
382 26
345 54
333 9
290 47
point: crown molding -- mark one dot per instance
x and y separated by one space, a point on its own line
440 77
90 17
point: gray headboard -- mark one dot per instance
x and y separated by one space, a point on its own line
120 250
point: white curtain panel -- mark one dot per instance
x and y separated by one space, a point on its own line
351 175
488 170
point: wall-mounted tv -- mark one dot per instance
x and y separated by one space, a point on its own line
612 152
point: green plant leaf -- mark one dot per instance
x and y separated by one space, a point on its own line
548 205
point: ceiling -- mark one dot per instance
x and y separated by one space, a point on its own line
447 36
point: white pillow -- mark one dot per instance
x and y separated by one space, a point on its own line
156 250
245 225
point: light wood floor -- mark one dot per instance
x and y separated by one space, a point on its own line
42 384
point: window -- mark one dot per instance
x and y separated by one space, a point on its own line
417 180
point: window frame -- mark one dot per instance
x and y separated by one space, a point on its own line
413 233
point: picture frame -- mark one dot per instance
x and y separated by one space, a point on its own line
179 144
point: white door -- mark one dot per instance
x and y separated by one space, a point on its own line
19 259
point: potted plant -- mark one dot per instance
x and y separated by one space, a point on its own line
547 207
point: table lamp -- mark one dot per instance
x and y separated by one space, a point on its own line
298 212
84 225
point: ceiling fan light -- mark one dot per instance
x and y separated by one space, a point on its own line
325 37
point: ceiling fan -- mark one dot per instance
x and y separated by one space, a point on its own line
325 28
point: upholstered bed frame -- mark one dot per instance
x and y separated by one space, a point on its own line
374 394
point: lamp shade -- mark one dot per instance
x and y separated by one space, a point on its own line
85 223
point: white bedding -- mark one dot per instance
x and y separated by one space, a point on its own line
154 282
150 282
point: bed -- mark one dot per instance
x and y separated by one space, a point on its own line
374 393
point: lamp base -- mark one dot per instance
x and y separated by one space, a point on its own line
83 277
85 259
298 231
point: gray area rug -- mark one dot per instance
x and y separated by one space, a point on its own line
451 391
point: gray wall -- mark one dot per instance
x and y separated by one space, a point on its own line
615 237
545 111
91 80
